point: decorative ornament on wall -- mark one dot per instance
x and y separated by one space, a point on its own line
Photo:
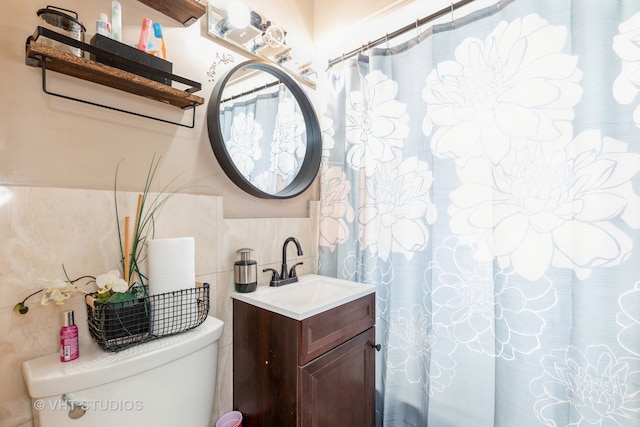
224 58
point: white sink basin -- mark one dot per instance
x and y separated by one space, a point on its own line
312 294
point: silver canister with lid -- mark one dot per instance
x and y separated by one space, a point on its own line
57 19
245 272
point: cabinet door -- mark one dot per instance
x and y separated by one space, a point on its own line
338 388
324 331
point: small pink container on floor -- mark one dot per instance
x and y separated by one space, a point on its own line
230 419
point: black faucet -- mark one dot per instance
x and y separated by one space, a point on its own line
286 276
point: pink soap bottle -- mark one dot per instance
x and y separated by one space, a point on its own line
69 338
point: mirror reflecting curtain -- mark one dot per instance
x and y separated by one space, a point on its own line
264 131
265 136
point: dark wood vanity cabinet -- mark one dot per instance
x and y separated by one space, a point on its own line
318 371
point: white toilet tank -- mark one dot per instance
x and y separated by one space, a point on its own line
167 382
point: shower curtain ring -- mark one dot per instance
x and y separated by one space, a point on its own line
452 24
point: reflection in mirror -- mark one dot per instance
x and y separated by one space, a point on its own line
264 132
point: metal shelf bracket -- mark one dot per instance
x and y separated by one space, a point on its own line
192 107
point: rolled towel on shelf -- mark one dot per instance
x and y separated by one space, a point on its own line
171 270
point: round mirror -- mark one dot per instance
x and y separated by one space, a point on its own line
264 131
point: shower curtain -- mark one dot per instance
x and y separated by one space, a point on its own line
484 177
264 133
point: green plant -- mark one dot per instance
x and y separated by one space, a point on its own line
148 208
118 285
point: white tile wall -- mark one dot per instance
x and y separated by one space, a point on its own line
43 228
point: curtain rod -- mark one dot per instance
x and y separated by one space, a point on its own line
406 28
252 91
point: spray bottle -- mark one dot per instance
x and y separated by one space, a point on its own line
69 338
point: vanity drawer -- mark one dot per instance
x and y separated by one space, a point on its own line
327 330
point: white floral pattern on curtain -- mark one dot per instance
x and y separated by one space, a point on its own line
485 178
265 138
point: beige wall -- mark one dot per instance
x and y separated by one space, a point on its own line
297 17
338 15
43 228
52 142
342 26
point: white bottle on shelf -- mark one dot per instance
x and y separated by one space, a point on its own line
102 26
116 21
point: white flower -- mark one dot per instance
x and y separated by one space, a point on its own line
362 267
288 147
244 145
416 349
629 319
550 205
626 46
335 210
515 85
594 388
376 123
328 133
267 181
57 290
397 208
481 307
111 281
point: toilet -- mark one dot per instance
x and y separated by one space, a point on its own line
166 382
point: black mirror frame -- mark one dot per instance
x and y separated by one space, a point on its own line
311 163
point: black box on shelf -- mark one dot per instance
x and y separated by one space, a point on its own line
133 54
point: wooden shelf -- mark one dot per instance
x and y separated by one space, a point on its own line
229 44
184 11
92 71
213 13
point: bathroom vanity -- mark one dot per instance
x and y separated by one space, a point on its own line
308 364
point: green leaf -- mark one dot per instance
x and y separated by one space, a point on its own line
104 297
21 308
121 296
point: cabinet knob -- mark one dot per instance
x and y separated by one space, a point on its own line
376 346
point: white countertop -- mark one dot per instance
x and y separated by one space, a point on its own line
311 295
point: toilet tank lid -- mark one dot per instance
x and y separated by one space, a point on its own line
47 376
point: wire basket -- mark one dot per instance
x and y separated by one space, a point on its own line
116 326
